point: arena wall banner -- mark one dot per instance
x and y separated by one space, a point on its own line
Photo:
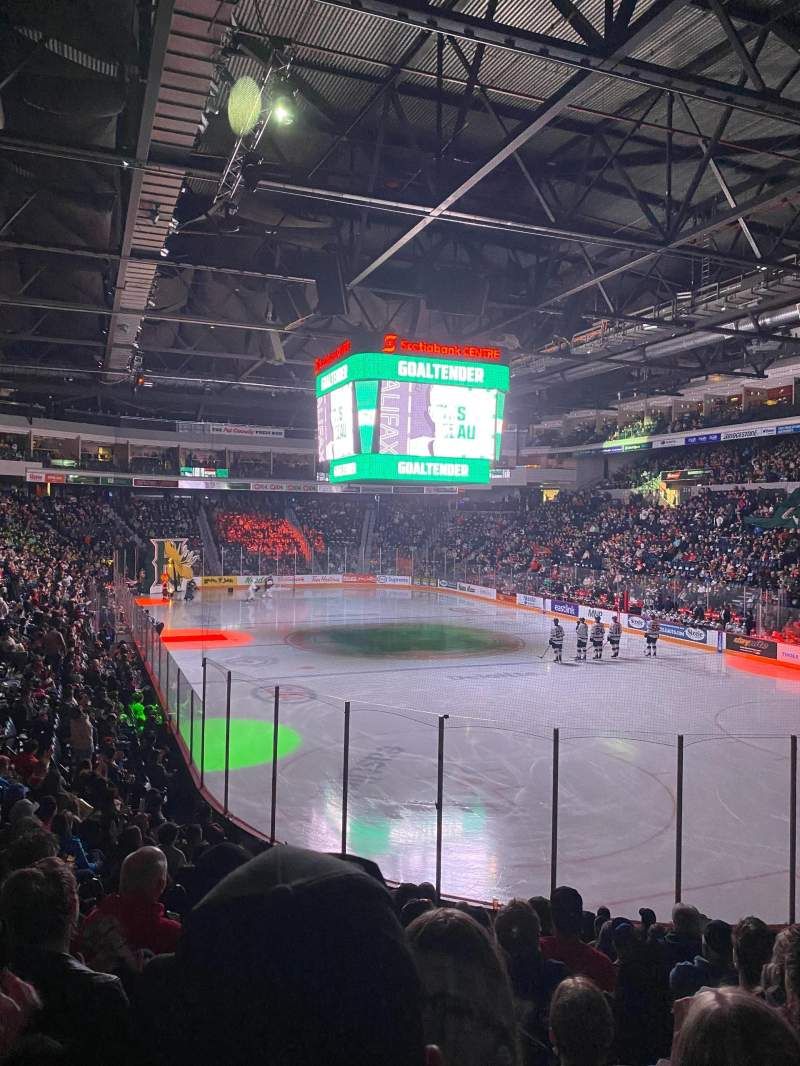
789 654
759 646
220 581
691 634
447 584
564 607
358 579
524 600
393 579
695 634
606 616
316 579
478 590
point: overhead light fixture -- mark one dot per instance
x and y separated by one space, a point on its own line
244 105
283 111
164 252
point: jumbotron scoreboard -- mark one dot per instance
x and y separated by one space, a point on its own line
413 411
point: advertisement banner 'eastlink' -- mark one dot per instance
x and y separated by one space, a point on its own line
764 649
562 607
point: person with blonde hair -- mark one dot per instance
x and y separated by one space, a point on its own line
731 1027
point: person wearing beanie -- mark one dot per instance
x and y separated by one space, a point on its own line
293 959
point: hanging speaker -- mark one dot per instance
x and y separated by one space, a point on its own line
331 290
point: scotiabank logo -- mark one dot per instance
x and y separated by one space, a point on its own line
396 345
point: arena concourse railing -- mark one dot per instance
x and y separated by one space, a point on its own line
393 783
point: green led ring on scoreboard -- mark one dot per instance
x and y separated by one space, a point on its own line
408 413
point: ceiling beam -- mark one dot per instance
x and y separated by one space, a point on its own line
511 226
577 56
155 70
785 191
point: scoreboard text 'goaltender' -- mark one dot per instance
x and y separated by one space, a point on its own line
416 410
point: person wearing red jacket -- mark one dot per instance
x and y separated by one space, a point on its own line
136 910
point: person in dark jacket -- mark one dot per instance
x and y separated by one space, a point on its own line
709 970
683 943
85 1012
533 979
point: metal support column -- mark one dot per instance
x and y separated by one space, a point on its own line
228 683
793 830
203 728
554 816
274 801
679 824
345 774
439 805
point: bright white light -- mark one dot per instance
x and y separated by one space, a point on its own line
282 113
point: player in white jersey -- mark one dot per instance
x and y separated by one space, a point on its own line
651 637
597 635
557 639
582 636
614 636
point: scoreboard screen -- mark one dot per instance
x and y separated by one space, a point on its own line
392 416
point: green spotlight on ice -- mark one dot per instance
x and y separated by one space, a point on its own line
282 111
244 105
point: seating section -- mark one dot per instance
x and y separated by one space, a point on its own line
108 854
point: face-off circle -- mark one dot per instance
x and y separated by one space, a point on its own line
403 640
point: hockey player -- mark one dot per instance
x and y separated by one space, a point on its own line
614 636
582 636
651 637
251 593
597 636
557 639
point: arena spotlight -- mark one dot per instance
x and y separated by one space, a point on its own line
244 105
283 111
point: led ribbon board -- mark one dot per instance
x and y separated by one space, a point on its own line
406 415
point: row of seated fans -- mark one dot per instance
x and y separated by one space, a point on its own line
139 928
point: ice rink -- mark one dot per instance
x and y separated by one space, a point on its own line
402 658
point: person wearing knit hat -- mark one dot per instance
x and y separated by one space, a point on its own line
294 959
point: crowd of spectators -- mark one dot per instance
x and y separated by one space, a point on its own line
12 447
337 518
136 930
263 541
723 413
165 515
405 523
770 459
591 547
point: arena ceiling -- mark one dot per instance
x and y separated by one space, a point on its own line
509 171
